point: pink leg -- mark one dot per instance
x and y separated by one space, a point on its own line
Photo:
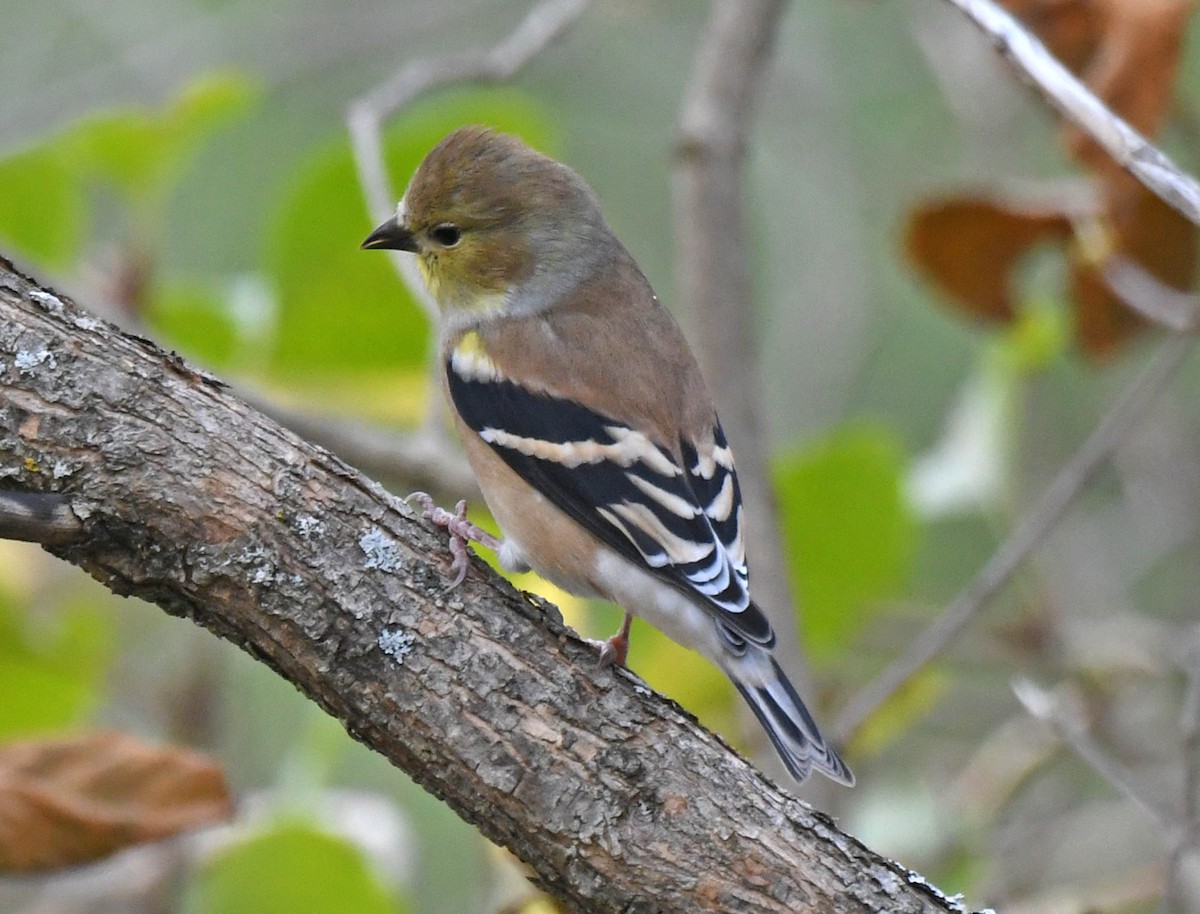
461 531
616 649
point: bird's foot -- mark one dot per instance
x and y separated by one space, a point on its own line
461 531
615 650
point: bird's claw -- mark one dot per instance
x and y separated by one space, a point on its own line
614 651
610 654
461 531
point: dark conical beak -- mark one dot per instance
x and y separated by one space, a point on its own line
391 236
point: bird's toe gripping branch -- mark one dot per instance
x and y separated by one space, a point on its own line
461 531
615 650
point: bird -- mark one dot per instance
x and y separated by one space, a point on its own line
585 418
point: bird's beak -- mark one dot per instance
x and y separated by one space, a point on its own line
391 236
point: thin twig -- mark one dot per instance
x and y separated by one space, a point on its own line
1069 726
1079 105
1071 480
38 517
1150 297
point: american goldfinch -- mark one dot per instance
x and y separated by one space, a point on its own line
584 415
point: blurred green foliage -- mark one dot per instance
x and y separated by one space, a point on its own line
289 868
41 208
52 666
850 534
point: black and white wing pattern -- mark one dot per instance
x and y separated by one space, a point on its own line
682 519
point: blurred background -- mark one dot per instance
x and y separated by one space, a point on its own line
935 343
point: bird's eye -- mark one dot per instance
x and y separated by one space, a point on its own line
447 234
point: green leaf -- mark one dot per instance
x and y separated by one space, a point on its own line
291 868
50 670
141 153
193 318
345 308
42 211
849 532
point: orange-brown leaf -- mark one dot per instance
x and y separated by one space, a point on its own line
970 246
1070 29
1149 232
70 801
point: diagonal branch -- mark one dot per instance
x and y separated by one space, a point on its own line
188 498
1078 104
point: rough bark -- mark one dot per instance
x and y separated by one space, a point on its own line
188 498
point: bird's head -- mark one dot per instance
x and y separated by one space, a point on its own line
497 227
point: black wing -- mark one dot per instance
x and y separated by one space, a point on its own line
682 522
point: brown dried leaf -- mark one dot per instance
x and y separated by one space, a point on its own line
969 246
70 801
1070 29
1158 239
1127 51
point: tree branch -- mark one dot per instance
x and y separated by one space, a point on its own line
615 797
38 517
1076 103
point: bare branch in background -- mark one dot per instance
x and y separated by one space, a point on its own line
1078 104
1069 726
714 279
412 460
1150 297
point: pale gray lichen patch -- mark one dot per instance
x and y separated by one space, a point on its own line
60 469
308 526
396 643
26 360
254 558
83 509
381 551
47 300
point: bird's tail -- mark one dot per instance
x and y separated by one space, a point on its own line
792 730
